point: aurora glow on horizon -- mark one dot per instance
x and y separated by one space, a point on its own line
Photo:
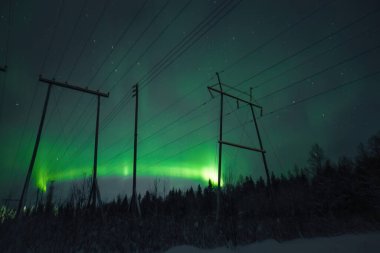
44 176
323 45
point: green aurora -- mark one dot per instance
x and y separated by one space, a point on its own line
178 127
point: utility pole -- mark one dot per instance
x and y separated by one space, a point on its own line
220 148
2 69
261 148
134 200
94 192
36 144
223 142
52 83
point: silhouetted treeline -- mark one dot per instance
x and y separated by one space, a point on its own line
323 198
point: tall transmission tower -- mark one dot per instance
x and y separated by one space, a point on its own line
94 194
222 142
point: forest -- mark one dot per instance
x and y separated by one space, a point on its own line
323 198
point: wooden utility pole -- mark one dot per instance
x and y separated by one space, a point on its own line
52 83
222 142
134 200
94 192
261 147
35 149
220 148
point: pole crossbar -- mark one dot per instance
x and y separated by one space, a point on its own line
73 87
234 97
241 146
232 88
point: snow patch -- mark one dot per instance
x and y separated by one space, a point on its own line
364 243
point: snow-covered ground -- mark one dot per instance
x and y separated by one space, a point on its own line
340 244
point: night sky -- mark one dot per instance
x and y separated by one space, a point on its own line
314 67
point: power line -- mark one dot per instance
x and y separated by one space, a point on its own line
120 38
244 132
75 137
195 40
130 48
50 44
273 149
141 35
71 36
173 141
338 63
241 125
173 123
277 35
91 34
47 52
262 45
348 59
170 124
352 82
237 118
302 63
183 40
192 131
82 51
155 40
253 51
165 64
105 6
114 111
176 102
178 119
355 81
150 25
104 124
207 30
198 144
320 72
52 38
327 36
